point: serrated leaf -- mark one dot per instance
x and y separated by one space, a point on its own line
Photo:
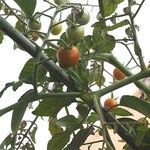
27 6
70 122
136 104
79 139
50 107
26 74
110 6
1 37
18 112
85 44
121 112
58 141
102 41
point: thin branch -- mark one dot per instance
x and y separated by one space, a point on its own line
140 6
28 130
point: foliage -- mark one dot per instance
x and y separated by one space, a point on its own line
82 81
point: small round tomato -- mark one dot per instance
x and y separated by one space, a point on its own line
34 24
68 57
118 75
34 36
56 29
59 2
82 17
75 33
110 103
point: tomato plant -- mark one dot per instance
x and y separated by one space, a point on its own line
68 57
118 75
69 75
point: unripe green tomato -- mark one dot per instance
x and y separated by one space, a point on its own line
56 29
59 2
74 33
83 17
34 24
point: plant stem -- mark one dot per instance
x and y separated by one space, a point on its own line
117 85
137 48
98 108
25 135
56 72
112 60
38 97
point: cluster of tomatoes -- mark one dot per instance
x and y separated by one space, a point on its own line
69 55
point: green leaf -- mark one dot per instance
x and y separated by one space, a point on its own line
20 26
18 112
136 104
146 138
110 6
50 107
26 74
121 112
7 85
102 41
58 141
1 37
140 133
54 128
95 75
16 85
27 6
6 142
50 52
80 74
85 45
92 118
83 110
70 122
79 139
32 134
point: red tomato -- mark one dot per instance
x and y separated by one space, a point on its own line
109 103
68 57
118 75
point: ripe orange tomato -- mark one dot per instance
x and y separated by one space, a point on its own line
68 57
118 75
109 103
